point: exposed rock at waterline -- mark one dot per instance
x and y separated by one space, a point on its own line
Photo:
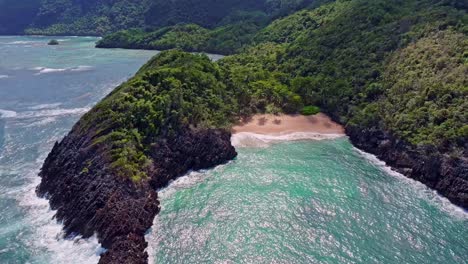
90 198
446 174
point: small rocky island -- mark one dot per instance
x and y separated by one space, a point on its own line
53 42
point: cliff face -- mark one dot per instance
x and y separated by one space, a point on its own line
91 199
446 174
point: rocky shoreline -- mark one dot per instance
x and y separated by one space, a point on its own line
446 174
91 199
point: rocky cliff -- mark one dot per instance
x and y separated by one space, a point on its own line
91 199
446 174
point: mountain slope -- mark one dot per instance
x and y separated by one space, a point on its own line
99 17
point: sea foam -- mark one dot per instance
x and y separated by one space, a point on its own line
7 113
248 139
21 42
45 70
52 112
46 241
44 106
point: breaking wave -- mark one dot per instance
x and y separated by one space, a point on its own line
7 113
43 112
44 106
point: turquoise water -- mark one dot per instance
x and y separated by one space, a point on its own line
305 202
288 202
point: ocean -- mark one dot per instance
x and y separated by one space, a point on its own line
279 201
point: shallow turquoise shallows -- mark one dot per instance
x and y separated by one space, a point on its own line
288 202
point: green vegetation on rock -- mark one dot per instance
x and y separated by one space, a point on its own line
426 90
172 91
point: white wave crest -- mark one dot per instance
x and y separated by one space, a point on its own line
425 192
7 113
52 112
4 76
44 106
247 139
43 112
21 42
41 122
45 70
81 68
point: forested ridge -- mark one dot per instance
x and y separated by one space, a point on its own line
99 17
396 66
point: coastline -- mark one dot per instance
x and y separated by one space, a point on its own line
440 173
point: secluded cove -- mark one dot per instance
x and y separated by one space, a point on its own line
305 201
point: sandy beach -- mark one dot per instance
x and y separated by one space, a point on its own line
285 124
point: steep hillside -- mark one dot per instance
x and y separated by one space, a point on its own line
15 15
99 17
229 35
228 38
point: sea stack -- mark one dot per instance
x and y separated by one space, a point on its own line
53 42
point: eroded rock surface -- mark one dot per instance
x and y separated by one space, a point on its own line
90 198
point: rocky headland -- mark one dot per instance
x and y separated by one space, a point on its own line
103 177
116 209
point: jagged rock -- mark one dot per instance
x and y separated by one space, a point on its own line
447 175
90 198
